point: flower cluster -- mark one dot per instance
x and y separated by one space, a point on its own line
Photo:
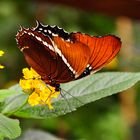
40 93
1 54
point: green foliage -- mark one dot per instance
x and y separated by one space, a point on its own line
9 127
6 93
79 93
14 103
94 24
99 122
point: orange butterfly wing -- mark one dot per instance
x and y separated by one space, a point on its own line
76 53
102 49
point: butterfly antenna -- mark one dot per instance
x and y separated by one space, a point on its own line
73 97
63 96
48 87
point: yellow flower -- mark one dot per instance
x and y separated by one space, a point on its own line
1 54
26 84
40 93
1 66
30 74
34 99
47 94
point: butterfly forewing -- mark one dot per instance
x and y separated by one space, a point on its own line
76 54
102 49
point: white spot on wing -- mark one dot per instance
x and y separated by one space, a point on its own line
54 34
25 47
48 45
90 68
32 34
29 33
49 32
63 58
88 65
52 26
38 38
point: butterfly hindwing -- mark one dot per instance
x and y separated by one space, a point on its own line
42 57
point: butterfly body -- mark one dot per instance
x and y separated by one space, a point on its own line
60 57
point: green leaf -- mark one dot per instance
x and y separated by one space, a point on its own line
38 135
1 137
4 93
13 103
9 128
15 87
81 92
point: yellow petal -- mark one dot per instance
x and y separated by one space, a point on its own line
39 84
55 94
34 99
50 106
52 89
30 74
1 66
26 84
1 53
34 73
26 73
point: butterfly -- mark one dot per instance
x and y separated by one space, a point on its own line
60 57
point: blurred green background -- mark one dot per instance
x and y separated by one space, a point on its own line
112 118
